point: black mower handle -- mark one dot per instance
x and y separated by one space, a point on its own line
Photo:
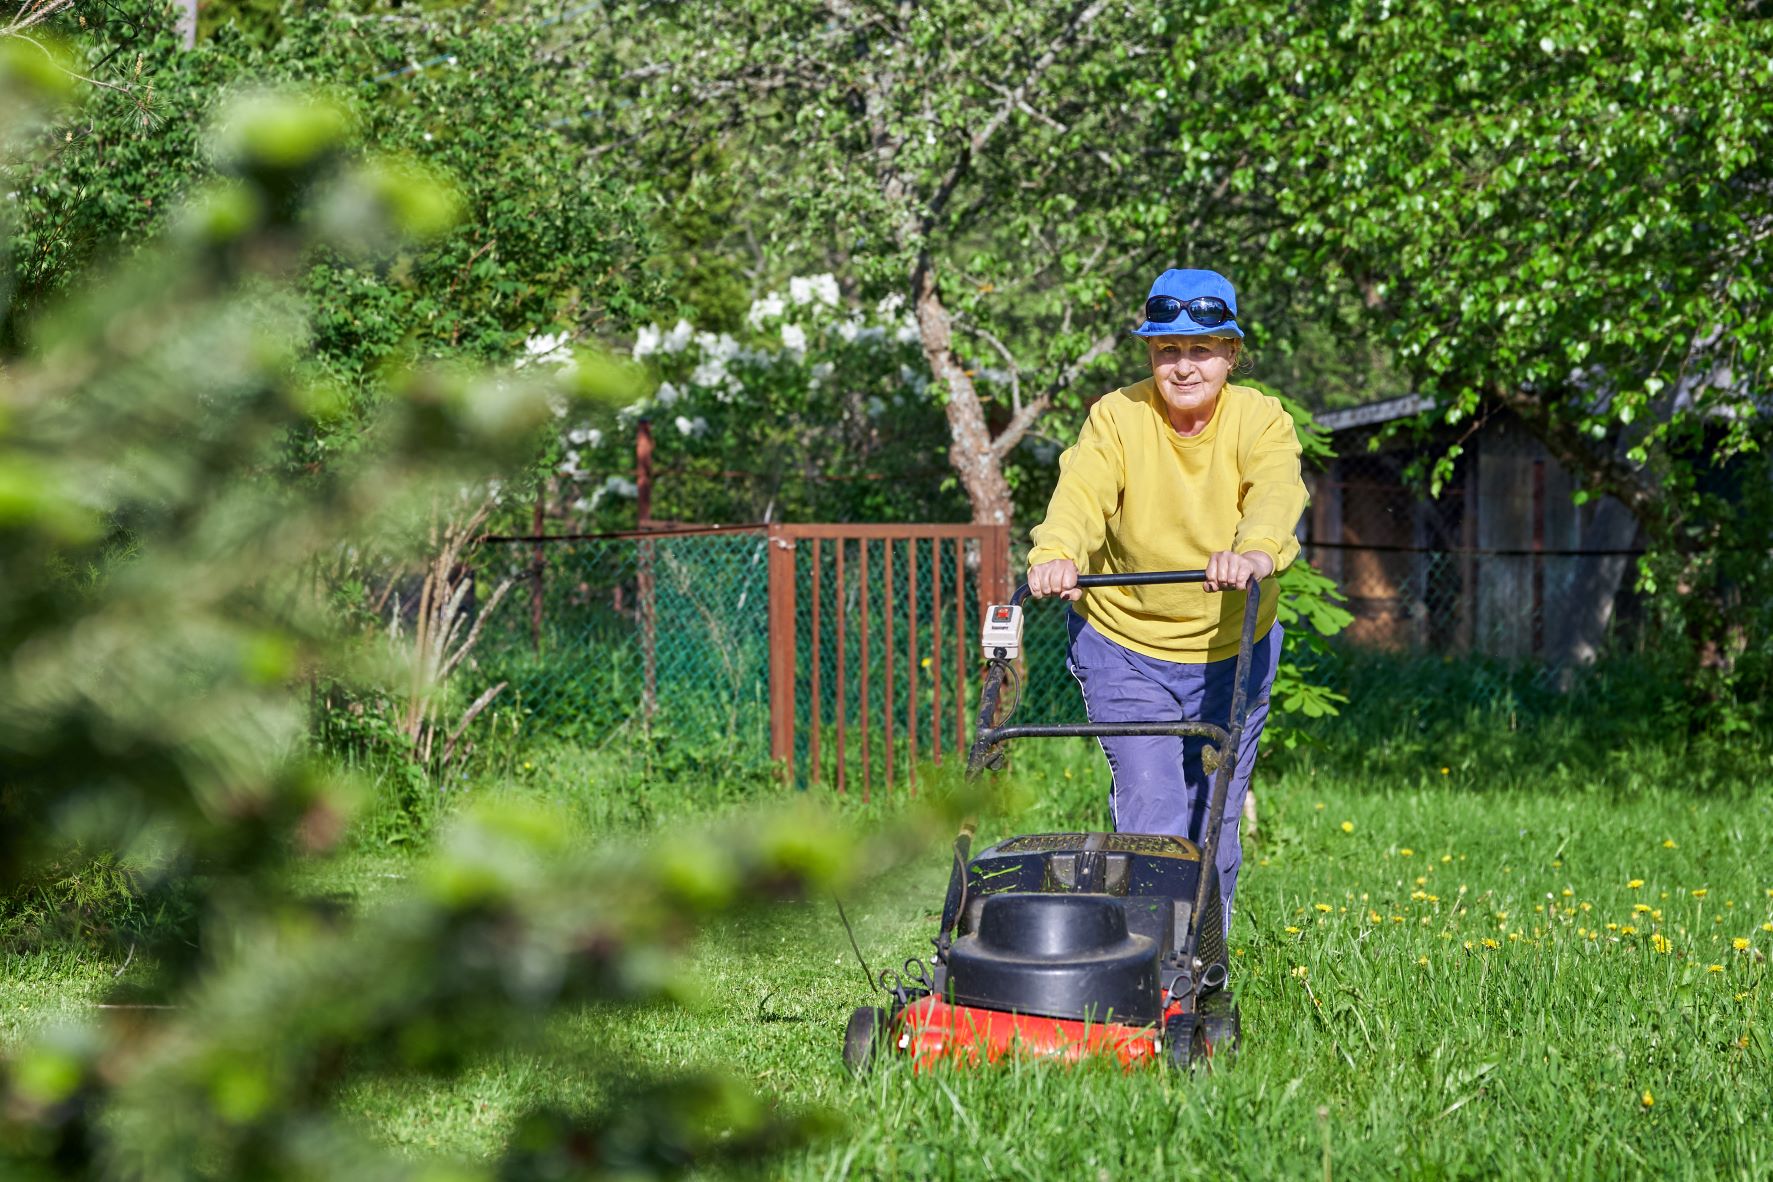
1140 579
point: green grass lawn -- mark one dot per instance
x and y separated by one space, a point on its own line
1439 978
1538 968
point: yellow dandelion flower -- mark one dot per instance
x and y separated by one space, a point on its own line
1594 935
925 663
1422 960
1743 996
1491 943
1375 917
1668 844
1640 909
1628 930
1568 893
1587 906
1418 894
1348 826
1612 927
1740 944
1767 927
1319 806
1421 880
1468 945
1714 968
1397 919
1701 892
1634 884
1514 936
1656 914
1406 852
1292 931
1502 915
1301 972
1446 771
1647 1098
1324 907
1660 943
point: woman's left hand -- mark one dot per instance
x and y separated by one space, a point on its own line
1228 571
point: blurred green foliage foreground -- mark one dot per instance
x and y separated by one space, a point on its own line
160 619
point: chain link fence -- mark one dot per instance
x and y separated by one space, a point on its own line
670 634
632 637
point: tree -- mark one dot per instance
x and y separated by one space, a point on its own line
992 165
1558 210
160 621
548 240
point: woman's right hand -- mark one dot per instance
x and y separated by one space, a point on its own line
1058 577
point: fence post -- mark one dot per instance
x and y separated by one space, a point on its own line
538 570
994 566
646 584
781 627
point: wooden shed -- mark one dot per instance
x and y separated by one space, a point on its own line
1488 566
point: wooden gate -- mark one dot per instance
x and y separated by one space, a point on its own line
873 634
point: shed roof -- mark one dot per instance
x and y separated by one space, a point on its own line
1373 413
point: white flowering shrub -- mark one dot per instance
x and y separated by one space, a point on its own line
819 408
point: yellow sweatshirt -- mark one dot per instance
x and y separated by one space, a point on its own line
1135 496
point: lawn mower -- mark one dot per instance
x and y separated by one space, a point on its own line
1070 945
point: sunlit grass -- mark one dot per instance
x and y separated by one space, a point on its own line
1440 977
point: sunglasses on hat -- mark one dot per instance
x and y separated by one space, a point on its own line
1206 311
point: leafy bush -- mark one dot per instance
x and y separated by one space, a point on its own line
160 720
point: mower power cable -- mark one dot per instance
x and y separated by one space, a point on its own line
867 973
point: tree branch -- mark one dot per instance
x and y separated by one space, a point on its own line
1003 351
982 138
1023 419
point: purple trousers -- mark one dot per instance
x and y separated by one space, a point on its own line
1159 784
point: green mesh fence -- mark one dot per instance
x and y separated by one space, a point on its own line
665 638
645 639
1049 692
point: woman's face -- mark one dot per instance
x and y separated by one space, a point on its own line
1190 371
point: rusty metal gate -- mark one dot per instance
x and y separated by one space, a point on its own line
872 644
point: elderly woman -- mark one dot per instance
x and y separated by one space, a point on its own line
1180 471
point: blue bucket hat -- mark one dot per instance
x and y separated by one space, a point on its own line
1185 286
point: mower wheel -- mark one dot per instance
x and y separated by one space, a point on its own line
1217 1034
1181 1037
859 1038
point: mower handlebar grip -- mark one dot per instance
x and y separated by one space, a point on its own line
1141 579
